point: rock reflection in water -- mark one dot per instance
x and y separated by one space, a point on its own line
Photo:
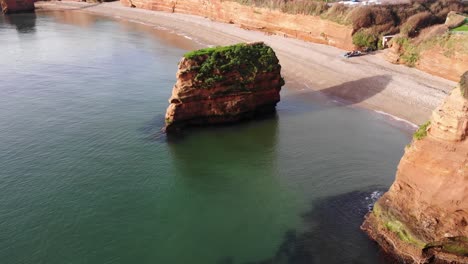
24 23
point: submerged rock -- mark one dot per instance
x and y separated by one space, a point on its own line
223 85
16 6
423 218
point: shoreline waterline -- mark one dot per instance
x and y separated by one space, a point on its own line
85 174
369 82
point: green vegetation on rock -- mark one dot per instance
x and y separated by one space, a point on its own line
246 59
396 226
463 26
366 39
411 52
422 131
373 20
456 249
454 245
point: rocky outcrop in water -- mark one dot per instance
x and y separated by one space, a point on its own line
16 6
223 85
423 218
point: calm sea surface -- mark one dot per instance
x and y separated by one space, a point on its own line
86 176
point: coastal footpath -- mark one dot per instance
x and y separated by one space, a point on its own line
369 81
423 218
224 85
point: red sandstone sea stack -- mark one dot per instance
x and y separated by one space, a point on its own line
224 85
423 218
16 6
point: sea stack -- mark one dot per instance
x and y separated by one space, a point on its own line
224 85
423 218
16 6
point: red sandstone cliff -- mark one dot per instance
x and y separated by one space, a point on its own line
442 54
224 84
16 6
423 218
309 28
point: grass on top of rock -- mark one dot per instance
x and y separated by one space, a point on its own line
246 59
463 28
422 131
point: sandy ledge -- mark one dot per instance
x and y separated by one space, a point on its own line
367 81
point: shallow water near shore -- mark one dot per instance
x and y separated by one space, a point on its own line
86 176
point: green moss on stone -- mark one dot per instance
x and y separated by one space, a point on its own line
403 233
246 59
453 245
456 249
422 131
394 225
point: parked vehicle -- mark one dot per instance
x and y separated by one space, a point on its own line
353 53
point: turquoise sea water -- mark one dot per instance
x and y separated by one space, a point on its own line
86 176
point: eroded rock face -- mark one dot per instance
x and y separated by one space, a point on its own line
16 6
308 28
224 84
437 60
423 218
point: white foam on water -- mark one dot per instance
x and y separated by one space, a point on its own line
138 22
397 118
374 196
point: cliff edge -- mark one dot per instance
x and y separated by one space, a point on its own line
223 85
423 218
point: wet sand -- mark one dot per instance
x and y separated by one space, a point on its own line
368 81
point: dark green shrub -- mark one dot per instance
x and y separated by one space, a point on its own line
410 53
361 17
408 18
383 15
366 39
385 29
416 23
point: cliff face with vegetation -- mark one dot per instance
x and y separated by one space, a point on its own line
305 27
338 25
16 6
224 84
423 218
437 50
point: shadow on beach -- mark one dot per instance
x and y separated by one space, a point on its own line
355 92
349 93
